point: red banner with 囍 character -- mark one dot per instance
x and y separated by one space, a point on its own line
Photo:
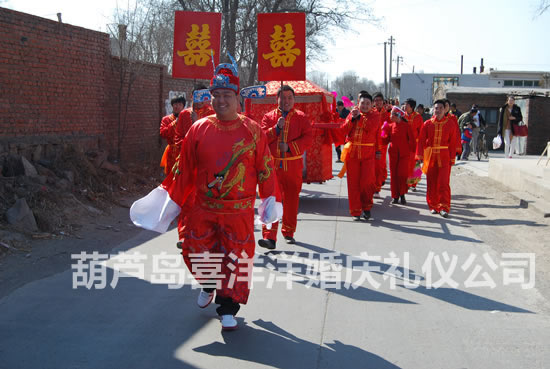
282 47
196 36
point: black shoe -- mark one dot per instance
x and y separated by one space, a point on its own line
444 214
383 183
433 211
267 243
366 214
403 201
290 240
356 218
413 189
395 200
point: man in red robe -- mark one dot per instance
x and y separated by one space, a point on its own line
362 128
186 118
437 148
190 115
289 134
415 121
168 132
223 159
381 165
400 136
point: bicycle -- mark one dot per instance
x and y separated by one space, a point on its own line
482 147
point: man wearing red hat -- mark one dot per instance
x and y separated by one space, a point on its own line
223 159
381 165
437 148
399 135
168 126
362 128
289 134
415 121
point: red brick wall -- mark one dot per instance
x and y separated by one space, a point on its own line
139 123
59 84
52 77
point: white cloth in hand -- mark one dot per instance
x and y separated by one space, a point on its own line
270 211
155 211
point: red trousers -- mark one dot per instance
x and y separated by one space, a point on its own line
438 193
381 168
361 184
290 184
399 171
231 236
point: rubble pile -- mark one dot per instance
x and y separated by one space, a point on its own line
46 198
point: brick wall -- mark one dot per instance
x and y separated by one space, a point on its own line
139 122
59 84
539 124
464 101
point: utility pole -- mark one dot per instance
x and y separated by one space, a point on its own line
385 66
391 47
399 60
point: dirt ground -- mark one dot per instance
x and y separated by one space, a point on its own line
497 219
478 202
80 202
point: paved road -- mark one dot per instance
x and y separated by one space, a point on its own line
303 314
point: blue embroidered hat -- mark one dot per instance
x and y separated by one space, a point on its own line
226 75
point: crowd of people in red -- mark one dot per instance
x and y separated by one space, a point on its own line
218 159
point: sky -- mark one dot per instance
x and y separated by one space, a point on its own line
430 35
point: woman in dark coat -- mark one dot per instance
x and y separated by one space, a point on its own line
509 118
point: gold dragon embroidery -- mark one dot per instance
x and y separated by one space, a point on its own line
265 174
239 148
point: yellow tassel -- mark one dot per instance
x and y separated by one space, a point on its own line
344 157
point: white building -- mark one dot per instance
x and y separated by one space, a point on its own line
423 86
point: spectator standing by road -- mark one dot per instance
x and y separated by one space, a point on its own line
509 117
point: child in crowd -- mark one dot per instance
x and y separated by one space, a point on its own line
465 140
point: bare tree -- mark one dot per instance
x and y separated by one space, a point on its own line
349 84
544 5
239 26
320 78
150 25
129 27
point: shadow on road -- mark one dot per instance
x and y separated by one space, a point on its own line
135 325
467 300
307 275
281 349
